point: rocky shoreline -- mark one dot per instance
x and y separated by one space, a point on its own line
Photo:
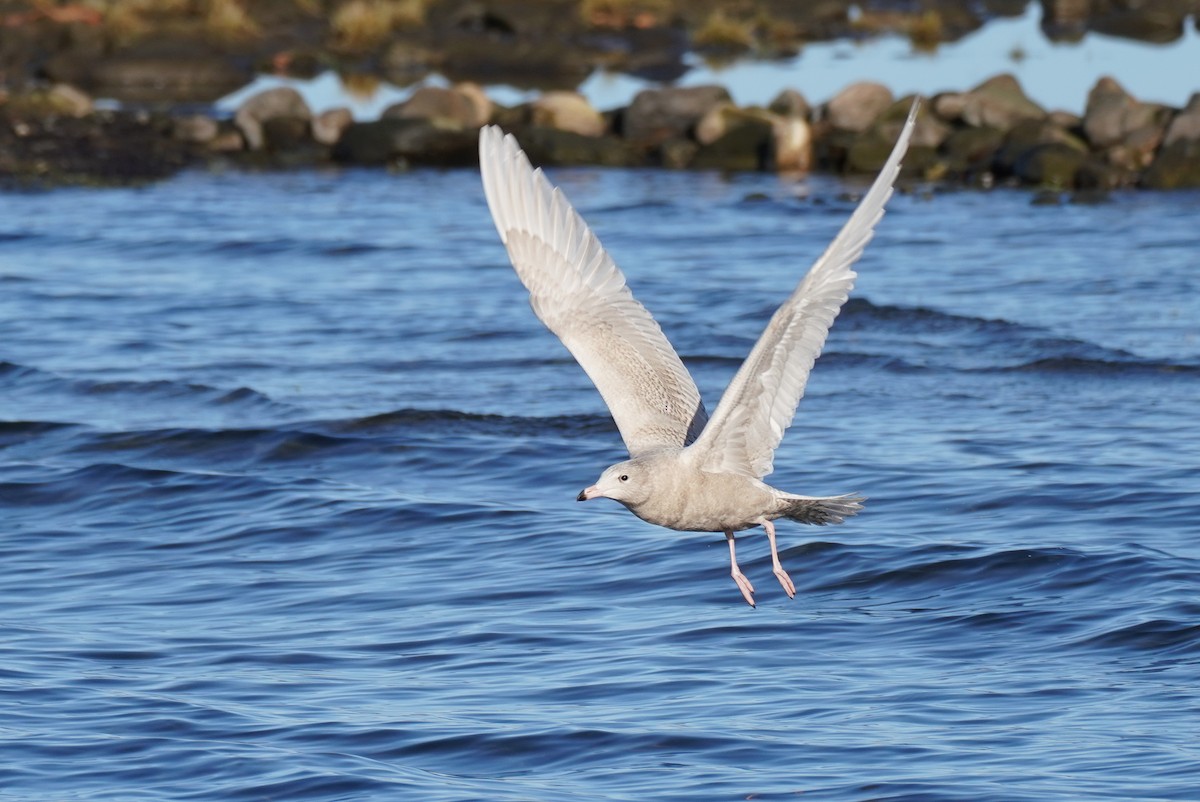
990 135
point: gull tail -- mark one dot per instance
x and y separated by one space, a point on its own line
820 511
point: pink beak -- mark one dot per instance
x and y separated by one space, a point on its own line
589 493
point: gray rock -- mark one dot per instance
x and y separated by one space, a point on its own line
450 108
660 114
282 101
67 99
747 146
1052 164
195 128
327 127
998 102
857 106
567 111
1185 125
566 148
1177 166
1027 135
1112 114
398 141
790 103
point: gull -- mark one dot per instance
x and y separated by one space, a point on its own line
686 471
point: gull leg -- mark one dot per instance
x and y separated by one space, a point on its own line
780 574
743 584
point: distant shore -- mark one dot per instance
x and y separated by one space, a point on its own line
165 63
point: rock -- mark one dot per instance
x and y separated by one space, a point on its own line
857 106
479 101
285 134
998 102
790 103
971 150
871 148
677 153
1051 164
66 99
1112 114
327 127
747 145
195 128
449 108
1185 125
551 146
1177 166
1027 135
724 117
282 101
793 145
1097 175
167 77
1156 22
391 141
567 111
1065 120
659 114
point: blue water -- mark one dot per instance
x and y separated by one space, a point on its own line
287 482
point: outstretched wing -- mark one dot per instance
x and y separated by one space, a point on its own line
578 292
761 400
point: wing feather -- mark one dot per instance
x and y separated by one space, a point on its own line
761 401
577 290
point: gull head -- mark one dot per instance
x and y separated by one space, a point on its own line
627 482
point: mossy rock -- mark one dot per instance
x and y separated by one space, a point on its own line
552 146
1177 166
748 145
971 150
1050 164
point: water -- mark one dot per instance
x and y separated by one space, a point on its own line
287 481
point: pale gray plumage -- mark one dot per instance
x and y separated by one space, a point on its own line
685 472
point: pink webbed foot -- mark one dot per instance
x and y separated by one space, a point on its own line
743 584
788 586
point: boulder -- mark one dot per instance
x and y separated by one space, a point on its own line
392 141
282 101
1027 135
793 144
460 107
66 99
1052 164
479 100
1185 125
998 102
284 134
327 127
552 146
857 106
790 103
871 148
567 111
195 128
1112 114
656 115
747 145
971 150
1177 166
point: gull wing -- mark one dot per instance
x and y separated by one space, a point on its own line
577 290
761 400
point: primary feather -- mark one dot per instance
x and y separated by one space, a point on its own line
577 290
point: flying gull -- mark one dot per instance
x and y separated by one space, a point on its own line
686 470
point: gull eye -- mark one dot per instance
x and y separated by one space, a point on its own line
624 477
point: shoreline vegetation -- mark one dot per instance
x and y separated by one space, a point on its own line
165 62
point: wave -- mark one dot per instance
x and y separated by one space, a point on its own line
24 377
919 336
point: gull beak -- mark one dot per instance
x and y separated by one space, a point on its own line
588 493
